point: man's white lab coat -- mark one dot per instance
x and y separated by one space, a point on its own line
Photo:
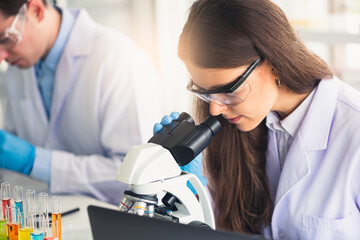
106 99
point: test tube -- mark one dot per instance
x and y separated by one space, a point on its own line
18 199
5 198
30 202
56 217
49 232
38 223
13 226
3 221
27 228
43 204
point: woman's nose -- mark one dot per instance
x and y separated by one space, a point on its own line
217 109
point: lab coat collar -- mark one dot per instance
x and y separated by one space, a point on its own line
80 43
313 135
67 23
82 37
315 128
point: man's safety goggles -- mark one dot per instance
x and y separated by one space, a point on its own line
13 34
231 94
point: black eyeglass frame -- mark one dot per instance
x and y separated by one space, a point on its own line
231 87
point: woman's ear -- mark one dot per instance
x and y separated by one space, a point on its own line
274 71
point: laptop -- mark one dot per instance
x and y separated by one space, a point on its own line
112 224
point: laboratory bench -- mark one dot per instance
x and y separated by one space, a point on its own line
75 226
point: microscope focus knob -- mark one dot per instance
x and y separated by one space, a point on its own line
169 200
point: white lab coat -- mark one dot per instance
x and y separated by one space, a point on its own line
318 195
106 99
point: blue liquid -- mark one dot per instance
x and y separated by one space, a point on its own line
37 236
19 209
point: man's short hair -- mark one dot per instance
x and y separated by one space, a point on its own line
11 7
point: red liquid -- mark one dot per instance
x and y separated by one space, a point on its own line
6 203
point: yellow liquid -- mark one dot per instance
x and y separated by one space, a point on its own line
56 225
24 233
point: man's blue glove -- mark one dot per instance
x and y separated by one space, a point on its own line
16 154
195 166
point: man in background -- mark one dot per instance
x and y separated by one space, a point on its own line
77 97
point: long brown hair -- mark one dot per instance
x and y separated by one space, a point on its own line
229 34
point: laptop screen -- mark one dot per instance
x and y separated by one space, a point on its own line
111 224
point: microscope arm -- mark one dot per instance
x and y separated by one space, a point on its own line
204 200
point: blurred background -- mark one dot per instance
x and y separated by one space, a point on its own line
330 28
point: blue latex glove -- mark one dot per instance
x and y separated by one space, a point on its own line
16 154
195 166
167 119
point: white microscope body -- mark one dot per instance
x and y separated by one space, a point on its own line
153 173
151 170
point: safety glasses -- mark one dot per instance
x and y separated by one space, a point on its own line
231 94
13 34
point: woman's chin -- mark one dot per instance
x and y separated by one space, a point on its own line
245 127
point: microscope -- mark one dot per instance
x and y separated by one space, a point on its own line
158 187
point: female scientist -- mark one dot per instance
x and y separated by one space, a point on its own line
287 162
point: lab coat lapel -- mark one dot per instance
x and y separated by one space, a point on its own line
79 44
295 168
34 94
273 164
38 101
24 96
312 136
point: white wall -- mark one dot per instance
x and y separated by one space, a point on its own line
155 25
170 19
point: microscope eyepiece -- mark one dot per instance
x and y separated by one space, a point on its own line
184 139
213 124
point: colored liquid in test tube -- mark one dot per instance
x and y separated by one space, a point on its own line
13 226
30 210
5 199
13 231
3 234
39 228
24 233
27 228
37 236
49 232
3 222
43 208
18 199
56 217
